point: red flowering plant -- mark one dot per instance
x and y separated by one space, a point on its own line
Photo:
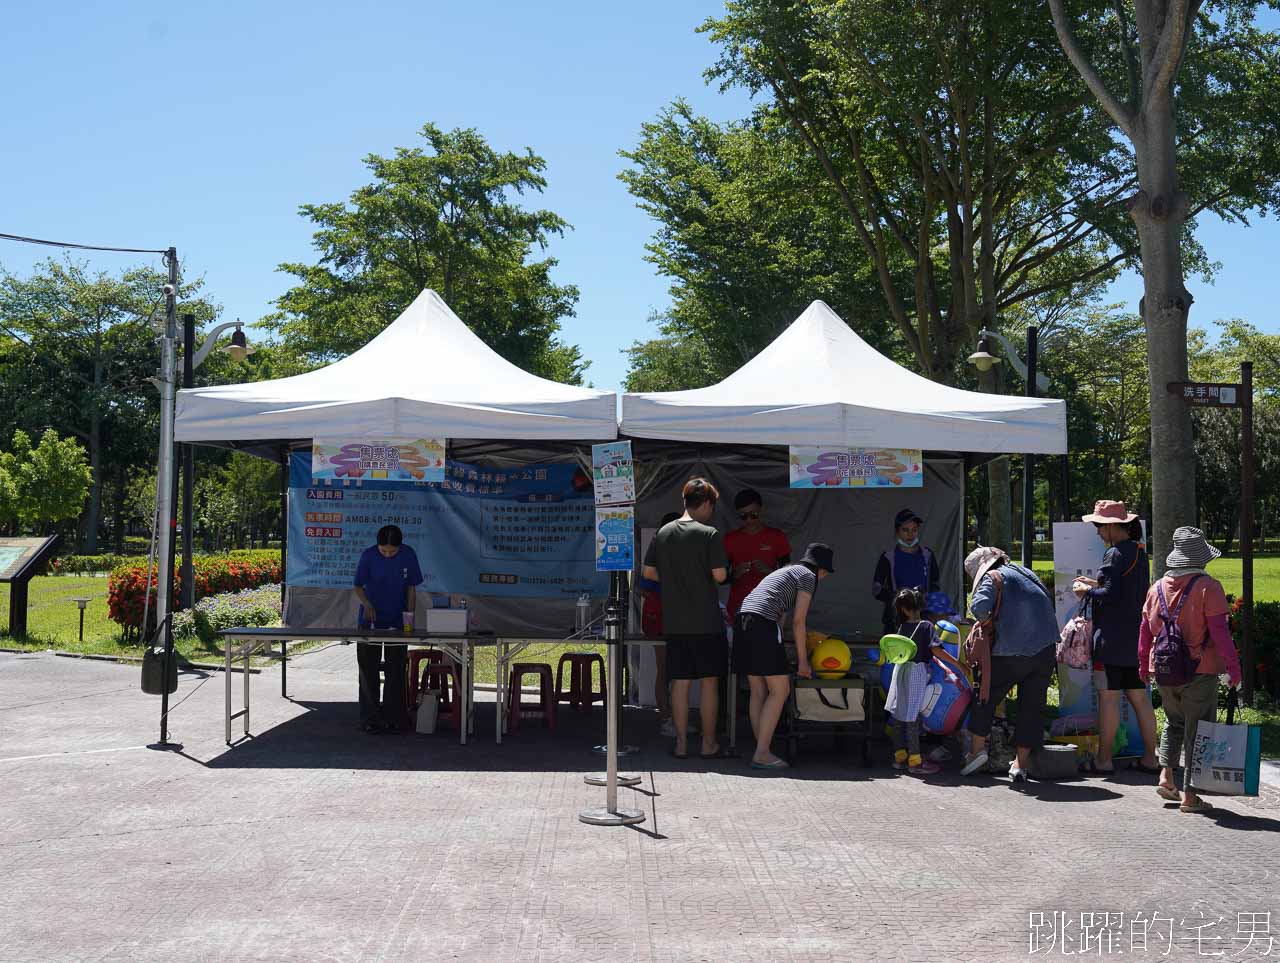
213 575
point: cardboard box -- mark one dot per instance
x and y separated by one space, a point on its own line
447 620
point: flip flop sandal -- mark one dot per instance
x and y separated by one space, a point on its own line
1164 792
717 754
1196 807
680 755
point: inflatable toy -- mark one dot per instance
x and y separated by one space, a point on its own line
949 635
946 700
830 659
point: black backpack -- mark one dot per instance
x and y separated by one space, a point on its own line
1171 657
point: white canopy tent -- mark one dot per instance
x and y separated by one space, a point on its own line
819 383
426 375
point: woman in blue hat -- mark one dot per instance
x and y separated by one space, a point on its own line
908 564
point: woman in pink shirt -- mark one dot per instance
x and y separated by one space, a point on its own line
1197 602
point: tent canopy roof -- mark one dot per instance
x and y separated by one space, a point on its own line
426 375
818 383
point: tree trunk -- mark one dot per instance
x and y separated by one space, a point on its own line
117 523
1159 210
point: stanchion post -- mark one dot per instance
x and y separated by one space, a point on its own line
611 814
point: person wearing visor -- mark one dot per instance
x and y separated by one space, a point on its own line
754 549
757 642
907 565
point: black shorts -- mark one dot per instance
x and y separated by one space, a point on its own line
1116 678
697 656
757 647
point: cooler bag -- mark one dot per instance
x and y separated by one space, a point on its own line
946 699
835 704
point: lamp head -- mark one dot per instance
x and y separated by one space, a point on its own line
982 359
239 349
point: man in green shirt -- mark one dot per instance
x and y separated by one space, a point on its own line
687 557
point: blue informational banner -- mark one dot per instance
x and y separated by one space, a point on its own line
616 538
522 532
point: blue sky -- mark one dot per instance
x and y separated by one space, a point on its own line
205 126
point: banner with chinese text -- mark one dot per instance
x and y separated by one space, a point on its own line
378 459
821 466
527 531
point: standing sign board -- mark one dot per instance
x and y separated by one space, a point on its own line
613 474
831 467
20 560
1077 550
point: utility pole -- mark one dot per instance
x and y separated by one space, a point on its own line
1029 463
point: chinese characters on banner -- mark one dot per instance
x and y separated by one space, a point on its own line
821 466
615 491
520 532
378 459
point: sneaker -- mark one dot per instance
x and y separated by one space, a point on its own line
1018 776
940 754
974 763
925 768
900 764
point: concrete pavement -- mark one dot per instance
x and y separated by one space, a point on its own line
314 842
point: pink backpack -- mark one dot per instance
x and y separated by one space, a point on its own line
1075 647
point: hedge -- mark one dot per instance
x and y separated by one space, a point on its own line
214 575
88 564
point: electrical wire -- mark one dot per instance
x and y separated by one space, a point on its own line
82 247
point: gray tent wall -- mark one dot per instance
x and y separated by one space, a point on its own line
858 523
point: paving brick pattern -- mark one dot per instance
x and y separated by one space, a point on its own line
315 842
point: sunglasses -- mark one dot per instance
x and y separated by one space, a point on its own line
748 516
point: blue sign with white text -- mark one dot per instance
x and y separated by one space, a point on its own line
527 531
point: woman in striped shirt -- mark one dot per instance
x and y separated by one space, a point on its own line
757 642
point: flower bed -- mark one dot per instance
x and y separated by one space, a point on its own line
214 575
254 606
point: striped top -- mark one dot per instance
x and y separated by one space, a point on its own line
777 591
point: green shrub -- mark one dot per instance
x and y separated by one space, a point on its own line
255 606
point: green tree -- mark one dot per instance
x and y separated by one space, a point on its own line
446 218
1192 87
975 179
743 262
51 480
76 353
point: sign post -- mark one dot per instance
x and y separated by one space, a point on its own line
1203 394
613 474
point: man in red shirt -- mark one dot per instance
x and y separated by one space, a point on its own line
754 549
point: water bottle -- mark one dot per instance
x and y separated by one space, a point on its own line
583 614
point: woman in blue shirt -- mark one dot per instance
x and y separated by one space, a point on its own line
907 565
386 583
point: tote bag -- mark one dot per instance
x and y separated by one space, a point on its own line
1226 758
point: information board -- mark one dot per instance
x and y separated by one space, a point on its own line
527 531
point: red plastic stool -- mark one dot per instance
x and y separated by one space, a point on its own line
416 658
546 703
581 695
445 678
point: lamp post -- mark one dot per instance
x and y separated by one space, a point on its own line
166 479
983 360
82 602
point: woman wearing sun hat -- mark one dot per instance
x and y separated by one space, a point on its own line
1196 600
1022 655
1116 598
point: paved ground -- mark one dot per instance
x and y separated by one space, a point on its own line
314 842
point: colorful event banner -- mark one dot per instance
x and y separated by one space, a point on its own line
378 459
1077 550
614 473
615 538
831 467
520 532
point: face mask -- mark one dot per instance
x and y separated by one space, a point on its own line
911 544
